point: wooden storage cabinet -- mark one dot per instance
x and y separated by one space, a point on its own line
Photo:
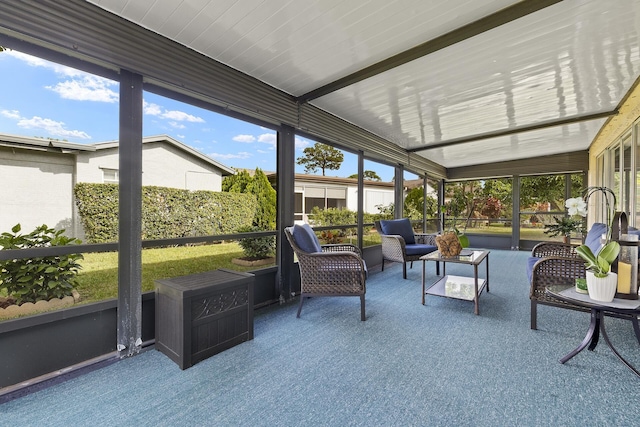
203 314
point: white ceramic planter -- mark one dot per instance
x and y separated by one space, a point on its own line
602 289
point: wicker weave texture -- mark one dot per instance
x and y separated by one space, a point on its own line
555 270
546 249
394 246
337 270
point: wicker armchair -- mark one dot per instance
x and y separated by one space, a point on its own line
553 270
327 270
402 244
555 263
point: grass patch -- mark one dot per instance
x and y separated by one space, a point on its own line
98 279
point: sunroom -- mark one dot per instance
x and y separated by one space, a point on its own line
527 95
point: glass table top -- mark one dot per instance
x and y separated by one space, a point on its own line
467 256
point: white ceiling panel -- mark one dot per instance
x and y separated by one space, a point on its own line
564 62
541 142
536 69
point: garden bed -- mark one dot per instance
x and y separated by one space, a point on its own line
9 309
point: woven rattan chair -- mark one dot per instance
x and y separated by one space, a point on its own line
553 270
327 270
556 263
395 247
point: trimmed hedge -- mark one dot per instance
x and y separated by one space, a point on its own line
166 212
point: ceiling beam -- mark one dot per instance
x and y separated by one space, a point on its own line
517 129
458 35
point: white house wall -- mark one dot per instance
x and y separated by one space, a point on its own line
373 198
352 198
37 188
162 165
167 166
90 165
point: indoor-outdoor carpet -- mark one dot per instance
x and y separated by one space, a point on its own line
406 365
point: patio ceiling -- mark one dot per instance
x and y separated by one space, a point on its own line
460 82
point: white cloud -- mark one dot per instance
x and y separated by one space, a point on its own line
177 125
151 109
241 155
183 137
51 127
87 88
13 114
301 143
181 116
244 138
38 62
174 116
269 138
79 86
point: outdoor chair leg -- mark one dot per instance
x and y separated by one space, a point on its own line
382 264
300 305
404 270
362 316
534 315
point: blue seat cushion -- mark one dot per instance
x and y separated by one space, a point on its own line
592 240
531 261
305 238
401 227
420 249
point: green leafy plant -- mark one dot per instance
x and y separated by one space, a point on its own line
599 264
257 247
563 226
40 278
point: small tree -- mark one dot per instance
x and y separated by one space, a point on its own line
237 183
259 186
265 218
368 175
257 247
321 156
41 278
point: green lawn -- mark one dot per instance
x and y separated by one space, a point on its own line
98 279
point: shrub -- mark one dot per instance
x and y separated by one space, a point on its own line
41 278
257 247
166 212
259 186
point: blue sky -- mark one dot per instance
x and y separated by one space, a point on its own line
44 99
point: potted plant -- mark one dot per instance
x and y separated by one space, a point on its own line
563 226
601 281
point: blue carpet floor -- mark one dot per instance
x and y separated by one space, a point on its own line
407 365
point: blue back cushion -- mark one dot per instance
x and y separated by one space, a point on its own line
400 227
593 236
305 238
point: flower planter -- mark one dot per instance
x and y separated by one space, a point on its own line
602 289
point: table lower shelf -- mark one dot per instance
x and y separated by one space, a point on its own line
457 287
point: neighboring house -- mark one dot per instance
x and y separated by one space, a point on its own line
38 175
333 192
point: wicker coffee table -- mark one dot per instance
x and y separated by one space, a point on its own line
458 287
